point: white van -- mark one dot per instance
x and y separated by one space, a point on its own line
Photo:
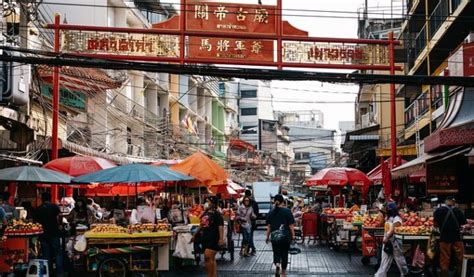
263 192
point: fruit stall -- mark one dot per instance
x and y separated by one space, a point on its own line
372 235
138 248
18 245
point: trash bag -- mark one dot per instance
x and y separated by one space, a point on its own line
184 248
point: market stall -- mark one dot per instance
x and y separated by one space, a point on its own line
19 245
138 248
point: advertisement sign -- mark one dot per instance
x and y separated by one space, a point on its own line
120 43
13 251
335 53
231 18
468 59
71 98
442 178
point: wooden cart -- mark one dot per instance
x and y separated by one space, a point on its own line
120 254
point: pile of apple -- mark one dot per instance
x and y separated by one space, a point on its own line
373 221
334 211
415 224
413 219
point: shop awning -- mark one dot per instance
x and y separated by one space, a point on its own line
419 164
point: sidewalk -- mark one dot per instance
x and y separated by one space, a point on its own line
314 260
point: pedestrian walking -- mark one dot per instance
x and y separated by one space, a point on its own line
245 215
280 231
253 203
392 247
49 216
211 232
449 219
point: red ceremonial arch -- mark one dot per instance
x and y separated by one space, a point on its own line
224 33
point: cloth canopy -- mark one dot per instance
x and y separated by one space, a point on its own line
205 170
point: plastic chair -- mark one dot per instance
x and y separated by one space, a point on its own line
310 226
37 267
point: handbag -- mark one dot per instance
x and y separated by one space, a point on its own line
388 248
280 236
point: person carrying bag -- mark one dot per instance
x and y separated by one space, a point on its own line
280 231
450 219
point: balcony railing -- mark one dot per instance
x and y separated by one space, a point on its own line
438 16
420 41
367 120
416 109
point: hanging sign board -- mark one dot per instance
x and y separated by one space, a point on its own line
116 43
231 18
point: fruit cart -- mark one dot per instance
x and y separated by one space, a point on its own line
19 245
372 238
119 251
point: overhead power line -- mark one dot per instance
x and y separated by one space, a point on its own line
234 72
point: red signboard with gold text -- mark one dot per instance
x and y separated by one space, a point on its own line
14 250
231 18
231 49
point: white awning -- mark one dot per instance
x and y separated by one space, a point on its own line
82 150
420 162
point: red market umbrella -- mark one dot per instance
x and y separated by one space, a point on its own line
166 162
225 191
79 165
119 189
375 175
236 187
339 176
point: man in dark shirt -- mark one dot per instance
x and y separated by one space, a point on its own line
254 205
449 219
278 217
48 215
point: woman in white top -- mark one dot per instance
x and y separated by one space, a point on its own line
143 213
392 220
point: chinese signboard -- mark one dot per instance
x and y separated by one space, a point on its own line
70 98
13 251
231 18
227 33
335 53
131 44
442 178
227 48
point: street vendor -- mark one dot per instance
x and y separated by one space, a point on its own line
143 213
80 214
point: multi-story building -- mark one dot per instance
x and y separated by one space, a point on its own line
437 39
313 147
124 115
370 139
255 104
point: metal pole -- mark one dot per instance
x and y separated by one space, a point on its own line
279 34
55 115
182 28
393 113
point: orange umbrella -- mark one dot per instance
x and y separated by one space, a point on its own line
205 170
